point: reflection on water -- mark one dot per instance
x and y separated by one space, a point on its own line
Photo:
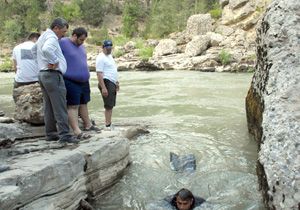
187 112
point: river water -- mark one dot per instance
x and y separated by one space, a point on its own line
187 112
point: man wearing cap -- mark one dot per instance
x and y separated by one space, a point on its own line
107 74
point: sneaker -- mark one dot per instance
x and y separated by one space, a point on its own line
71 140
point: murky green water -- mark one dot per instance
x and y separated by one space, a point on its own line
187 112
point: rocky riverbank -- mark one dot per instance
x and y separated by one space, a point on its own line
36 174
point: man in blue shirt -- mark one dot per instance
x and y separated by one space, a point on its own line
77 81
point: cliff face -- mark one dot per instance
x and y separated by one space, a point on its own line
273 104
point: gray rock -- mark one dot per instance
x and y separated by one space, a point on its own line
197 46
184 163
29 104
199 24
4 168
272 104
60 178
165 47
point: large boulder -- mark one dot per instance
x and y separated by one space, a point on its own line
29 104
199 24
272 105
165 47
197 46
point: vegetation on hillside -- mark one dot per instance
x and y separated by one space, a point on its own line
148 19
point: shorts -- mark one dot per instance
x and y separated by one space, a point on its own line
110 100
77 92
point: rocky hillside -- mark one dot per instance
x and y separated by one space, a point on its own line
227 44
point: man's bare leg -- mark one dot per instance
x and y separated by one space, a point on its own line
108 114
73 119
84 114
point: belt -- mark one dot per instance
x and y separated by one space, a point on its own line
51 70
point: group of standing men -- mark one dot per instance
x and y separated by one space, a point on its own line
60 66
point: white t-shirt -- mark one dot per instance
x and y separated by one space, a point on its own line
107 65
27 69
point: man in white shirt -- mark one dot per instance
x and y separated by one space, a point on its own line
52 65
25 65
107 74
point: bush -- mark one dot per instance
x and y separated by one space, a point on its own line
120 40
93 11
97 36
7 65
12 30
130 18
118 53
70 12
225 57
216 11
144 52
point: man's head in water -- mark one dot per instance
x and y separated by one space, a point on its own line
184 199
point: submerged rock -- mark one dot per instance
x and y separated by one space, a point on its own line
184 163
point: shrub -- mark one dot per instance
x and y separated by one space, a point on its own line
12 30
130 18
144 52
120 40
225 57
6 65
216 11
97 36
70 12
118 53
93 11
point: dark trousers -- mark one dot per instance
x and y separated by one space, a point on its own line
55 105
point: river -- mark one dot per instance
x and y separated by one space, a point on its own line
186 112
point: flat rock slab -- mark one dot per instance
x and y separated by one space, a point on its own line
49 175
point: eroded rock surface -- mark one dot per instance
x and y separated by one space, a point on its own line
29 104
37 174
273 105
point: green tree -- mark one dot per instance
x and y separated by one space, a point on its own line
12 30
93 11
25 14
130 17
71 11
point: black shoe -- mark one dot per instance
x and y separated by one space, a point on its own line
71 140
52 138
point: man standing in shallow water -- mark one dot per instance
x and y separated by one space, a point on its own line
77 81
52 65
107 74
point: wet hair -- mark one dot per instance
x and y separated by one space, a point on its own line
60 23
79 32
184 194
33 35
